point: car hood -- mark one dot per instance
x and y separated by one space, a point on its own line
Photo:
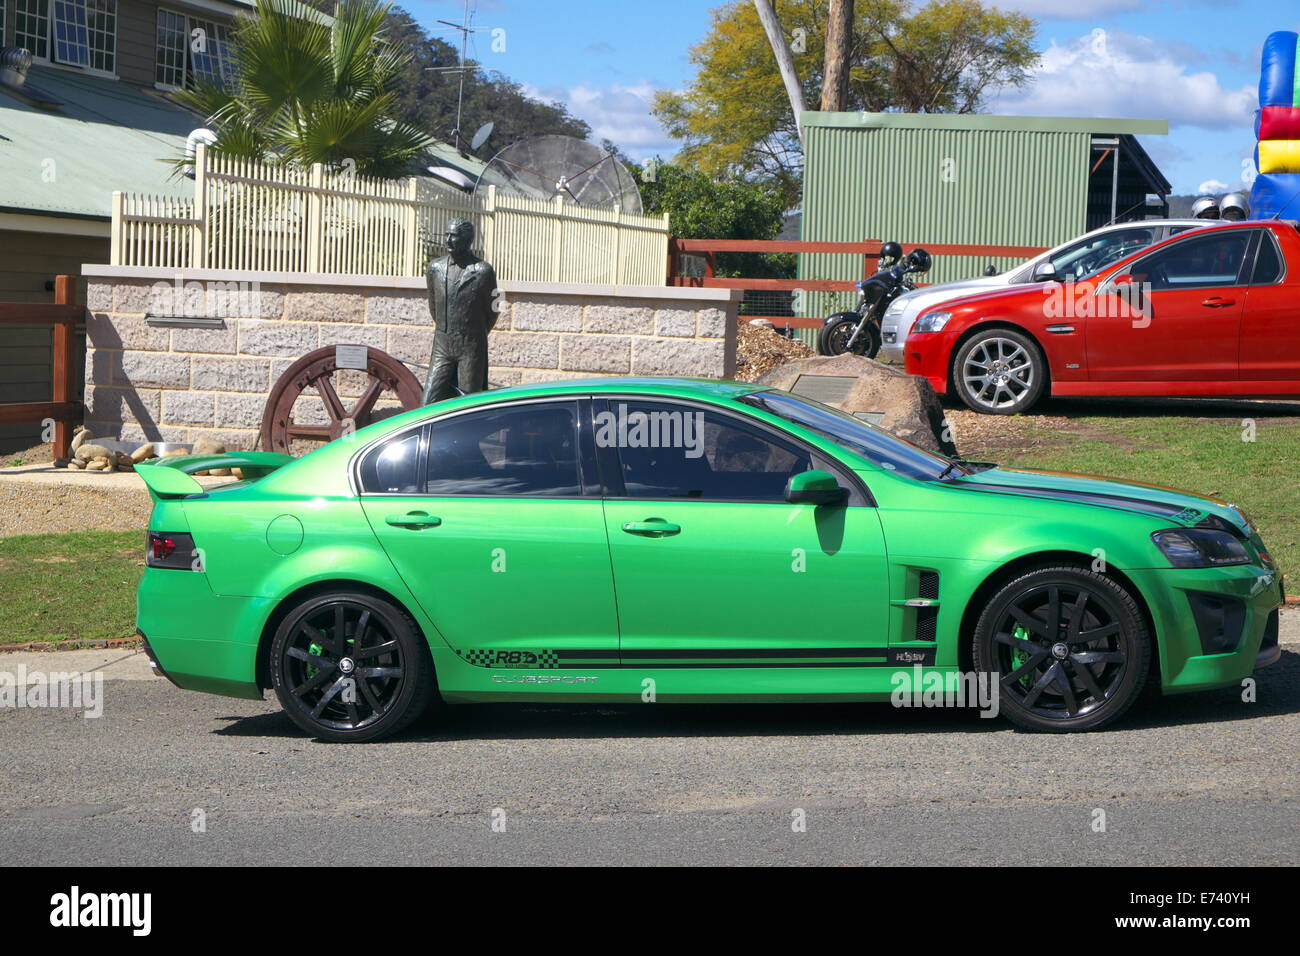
931 294
1177 507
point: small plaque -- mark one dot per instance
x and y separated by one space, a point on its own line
351 356
827 389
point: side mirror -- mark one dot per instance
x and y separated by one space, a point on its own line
1044 272
815 487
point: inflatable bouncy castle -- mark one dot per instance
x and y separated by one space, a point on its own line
1277 127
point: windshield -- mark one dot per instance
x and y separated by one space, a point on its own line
855 435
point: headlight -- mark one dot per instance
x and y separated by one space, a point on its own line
897 307
932 322
1200 548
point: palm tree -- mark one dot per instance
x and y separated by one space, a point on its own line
308 92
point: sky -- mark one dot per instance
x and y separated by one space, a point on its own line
1195 64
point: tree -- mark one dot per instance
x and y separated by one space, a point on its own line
942 57
305 92
701 207
427 93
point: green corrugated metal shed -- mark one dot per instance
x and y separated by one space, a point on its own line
961 178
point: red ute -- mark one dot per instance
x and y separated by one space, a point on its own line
1213 311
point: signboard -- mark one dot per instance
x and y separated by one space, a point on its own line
351 356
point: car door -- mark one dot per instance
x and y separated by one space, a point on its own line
493 519
712 567
1173 315
1270 323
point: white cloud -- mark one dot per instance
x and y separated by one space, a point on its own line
1214 186
619 113
1112 73
1069 9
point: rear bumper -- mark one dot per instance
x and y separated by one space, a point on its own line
196 639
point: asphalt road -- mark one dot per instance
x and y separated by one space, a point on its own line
1201 779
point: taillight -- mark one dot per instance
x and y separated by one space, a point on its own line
165 549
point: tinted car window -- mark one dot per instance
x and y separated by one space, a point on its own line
676 451
393 467
1195 263
1268 264
525 450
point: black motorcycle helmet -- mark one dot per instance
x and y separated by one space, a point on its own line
918 260
891 251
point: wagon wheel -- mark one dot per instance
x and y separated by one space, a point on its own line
314 372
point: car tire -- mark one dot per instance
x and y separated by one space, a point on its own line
1069 649
350 666
999 372
833 335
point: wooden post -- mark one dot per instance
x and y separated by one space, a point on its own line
618 244
199 233
117 230
65 293
315 219
414 266
557 237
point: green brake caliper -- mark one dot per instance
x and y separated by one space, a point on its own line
314 650
1018 657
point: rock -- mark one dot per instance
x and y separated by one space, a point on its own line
207 446
174 452
80 436
90 451
910 407
143 453
238 473
76 465
99 464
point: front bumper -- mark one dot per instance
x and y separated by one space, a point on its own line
1199 652
927 355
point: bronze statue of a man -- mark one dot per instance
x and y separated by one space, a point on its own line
462 293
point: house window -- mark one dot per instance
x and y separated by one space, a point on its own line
85 31
32 29
190 49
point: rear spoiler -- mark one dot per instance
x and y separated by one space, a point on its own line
170 477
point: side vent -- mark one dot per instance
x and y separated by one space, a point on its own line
927 618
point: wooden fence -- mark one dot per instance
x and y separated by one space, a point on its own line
250 215
64 314
869 250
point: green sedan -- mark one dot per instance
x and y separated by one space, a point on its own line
685 540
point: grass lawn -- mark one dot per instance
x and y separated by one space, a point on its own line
1201 454
78 586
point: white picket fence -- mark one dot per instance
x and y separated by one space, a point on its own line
250 215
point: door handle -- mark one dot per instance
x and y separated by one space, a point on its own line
1217 302
651 527
414 519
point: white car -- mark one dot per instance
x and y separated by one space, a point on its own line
1075 259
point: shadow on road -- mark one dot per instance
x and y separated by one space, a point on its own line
1277 692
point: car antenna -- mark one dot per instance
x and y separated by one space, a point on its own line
1278 215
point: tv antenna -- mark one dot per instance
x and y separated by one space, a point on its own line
465 28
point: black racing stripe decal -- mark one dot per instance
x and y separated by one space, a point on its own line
755 652
1158 509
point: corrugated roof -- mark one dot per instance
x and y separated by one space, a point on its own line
106 136
984 121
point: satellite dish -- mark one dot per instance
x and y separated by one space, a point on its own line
481 136
453 176
544 167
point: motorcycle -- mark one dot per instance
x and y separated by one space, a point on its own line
859 331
